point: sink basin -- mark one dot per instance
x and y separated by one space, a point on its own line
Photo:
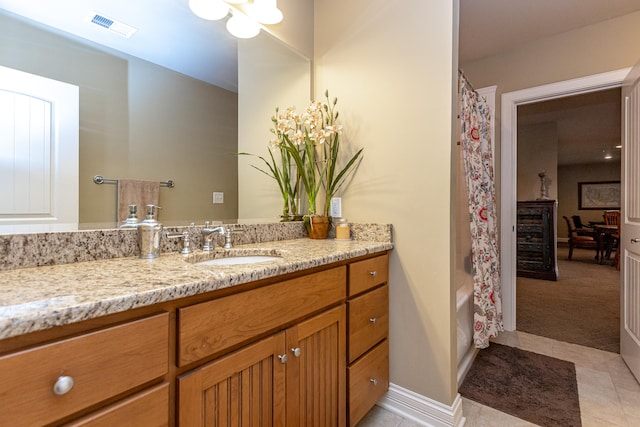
234 260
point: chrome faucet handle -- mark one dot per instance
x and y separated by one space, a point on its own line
227 237
186 241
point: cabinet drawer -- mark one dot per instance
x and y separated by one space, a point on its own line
149 408
368 321
368 381
211 327
102 364
367 274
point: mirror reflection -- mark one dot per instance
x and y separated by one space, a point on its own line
142 120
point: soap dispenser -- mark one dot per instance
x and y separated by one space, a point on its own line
132 219
149 233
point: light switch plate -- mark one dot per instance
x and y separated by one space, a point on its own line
218 197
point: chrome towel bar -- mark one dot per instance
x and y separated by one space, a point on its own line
98 179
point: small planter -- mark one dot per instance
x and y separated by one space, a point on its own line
317 226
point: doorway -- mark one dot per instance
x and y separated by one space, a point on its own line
510 103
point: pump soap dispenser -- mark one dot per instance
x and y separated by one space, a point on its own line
149 233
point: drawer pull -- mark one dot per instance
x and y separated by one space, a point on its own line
296 351
373 381
283 358
373 273
373 320
63 385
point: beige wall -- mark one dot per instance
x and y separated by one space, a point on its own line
568 179
139 121
394 71
537 151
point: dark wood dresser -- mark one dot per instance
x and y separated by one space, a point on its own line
536 239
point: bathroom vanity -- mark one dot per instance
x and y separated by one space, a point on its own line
301 340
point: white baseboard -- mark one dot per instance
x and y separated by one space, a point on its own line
421 409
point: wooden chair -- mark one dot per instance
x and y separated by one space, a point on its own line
583 230
575 241
613 218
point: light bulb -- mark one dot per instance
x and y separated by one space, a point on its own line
243 27
265 11
211 10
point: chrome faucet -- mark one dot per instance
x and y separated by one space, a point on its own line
207 234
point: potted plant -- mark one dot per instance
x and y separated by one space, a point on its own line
312 139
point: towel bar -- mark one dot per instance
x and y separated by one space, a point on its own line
98 179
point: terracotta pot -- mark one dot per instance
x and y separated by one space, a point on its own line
317 226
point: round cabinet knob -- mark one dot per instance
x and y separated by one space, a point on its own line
373 273
63 385
296 351
373 320
373 381
283 358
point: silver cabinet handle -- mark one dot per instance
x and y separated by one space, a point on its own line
63 385
373 381
296 351
373 320
373 273
635 240
283 358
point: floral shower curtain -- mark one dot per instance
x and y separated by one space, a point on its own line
475 140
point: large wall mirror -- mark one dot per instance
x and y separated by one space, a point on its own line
168 108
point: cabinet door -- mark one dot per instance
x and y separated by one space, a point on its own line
245 388
316 386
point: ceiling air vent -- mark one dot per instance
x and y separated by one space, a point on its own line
119 28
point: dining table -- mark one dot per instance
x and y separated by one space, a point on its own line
603 235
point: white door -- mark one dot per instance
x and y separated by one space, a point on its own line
630 223
39 122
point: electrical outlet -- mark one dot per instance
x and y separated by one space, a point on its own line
335 210
218 197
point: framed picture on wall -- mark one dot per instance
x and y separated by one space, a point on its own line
600 195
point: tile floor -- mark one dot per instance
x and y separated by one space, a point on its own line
609 394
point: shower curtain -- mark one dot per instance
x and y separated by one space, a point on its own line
475 140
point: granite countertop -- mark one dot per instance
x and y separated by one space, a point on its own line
33 299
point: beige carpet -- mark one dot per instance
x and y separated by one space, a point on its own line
582 307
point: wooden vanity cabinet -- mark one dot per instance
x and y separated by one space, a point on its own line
368 330
36 386
308 350
294 377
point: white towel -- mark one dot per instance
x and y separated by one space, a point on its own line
136 192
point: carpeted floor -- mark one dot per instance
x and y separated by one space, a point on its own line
533 387
582 307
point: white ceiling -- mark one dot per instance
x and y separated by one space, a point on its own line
588 125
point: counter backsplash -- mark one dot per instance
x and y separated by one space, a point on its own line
38 249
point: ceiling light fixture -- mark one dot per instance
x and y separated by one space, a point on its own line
265 11
211 10
241 26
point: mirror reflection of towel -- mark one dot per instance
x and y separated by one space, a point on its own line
136 192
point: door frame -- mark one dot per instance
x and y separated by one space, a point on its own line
508 172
